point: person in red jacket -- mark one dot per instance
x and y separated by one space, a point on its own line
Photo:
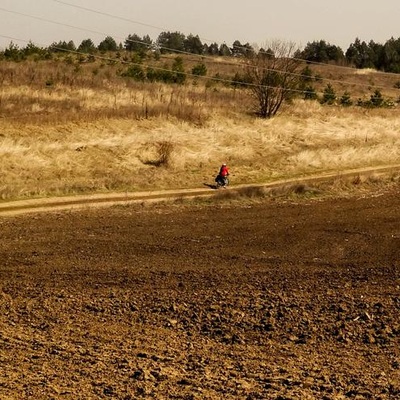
224 171
222 178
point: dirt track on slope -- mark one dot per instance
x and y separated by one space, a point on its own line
107 199
270 300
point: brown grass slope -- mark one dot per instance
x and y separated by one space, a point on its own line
72 129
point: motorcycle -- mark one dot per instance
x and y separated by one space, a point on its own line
222 181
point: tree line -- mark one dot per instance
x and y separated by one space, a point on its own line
167 42
360 54
272 76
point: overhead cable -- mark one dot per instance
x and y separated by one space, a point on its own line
203 57
203 39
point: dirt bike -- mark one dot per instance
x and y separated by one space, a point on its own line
221 181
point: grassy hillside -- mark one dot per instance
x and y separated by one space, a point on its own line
69 127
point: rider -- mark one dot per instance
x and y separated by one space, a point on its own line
223 174
223 171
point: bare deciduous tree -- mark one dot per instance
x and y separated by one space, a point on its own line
274 74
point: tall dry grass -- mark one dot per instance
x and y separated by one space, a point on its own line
98 134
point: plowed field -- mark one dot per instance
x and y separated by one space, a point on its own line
262 300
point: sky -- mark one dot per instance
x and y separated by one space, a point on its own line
257 22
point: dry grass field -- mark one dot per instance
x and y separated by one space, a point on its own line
68 129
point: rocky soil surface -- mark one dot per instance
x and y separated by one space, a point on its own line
259 300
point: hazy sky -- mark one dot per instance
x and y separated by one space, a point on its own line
338 22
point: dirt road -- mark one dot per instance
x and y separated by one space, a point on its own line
269 300
61 203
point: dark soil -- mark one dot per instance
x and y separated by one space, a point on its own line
268 300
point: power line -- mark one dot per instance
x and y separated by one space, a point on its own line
107 14
203 39
95 32
220 80
215 79
174 50
104 34
50 21
169 49
116 17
